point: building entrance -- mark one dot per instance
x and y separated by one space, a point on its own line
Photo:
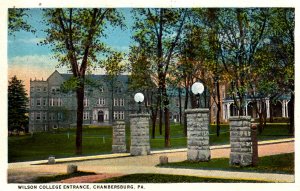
100 116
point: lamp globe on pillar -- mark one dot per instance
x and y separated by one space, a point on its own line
139 98
197 89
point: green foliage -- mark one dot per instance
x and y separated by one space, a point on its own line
75 38
17 21
70 85
17 105
75 35
282 163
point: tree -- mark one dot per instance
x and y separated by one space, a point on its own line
143 79
17 21
75 38
17 105
275 63
241 33
158 31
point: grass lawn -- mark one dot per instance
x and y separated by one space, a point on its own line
163 178
98 140
283 163
47 179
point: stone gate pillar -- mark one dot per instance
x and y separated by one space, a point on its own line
198 134
119 137
139 133
240 141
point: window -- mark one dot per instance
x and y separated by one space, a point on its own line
32 116
101 101
115 102
121 102
45 89
119 115
55 90
32 101
44 102
86 115
31 89
86 102
59 102
51 116
59 116
44 116
38 89
38 102
55 102
38 116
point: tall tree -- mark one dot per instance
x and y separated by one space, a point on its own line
144 79
241 33
159 30
17 21
75 38
275 63
17 103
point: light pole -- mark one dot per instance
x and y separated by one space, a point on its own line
139 98
197 89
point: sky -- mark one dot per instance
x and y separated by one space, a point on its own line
29 60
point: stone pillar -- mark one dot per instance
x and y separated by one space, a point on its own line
198 134
119 137
139 133
240 141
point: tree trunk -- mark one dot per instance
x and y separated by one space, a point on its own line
153 123
160 117
167 126
186 101
154 111
112 102
162 82
291 112
80 97
265 115
218 109
271 110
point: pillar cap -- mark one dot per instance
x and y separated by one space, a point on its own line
139 115
238 118
197 110
119 122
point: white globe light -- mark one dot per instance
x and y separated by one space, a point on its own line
197 88
138 97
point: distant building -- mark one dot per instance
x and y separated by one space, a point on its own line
278 108
50 108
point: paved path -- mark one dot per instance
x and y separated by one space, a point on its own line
119 164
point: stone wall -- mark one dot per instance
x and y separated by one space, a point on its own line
198 134
139 132
119 137
240 141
